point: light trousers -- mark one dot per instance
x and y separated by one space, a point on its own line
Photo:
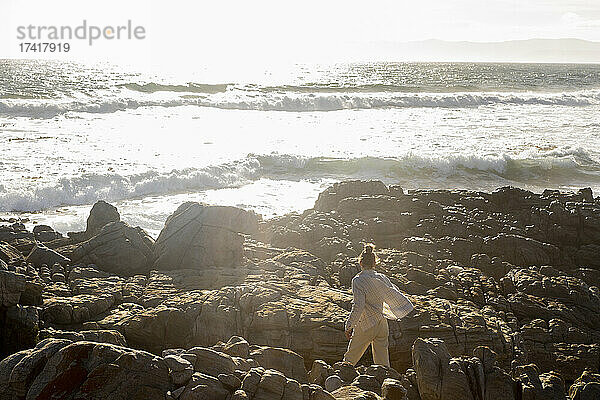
377 337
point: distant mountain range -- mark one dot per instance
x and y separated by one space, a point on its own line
531 50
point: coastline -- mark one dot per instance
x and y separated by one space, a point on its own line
507 278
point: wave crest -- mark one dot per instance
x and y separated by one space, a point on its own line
564 167
297 102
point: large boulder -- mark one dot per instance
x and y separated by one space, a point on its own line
202 386
291 364
40 255
271 386
440 376
45 233
212 362
330 198
522 251
88 370
200 236
539 386
102 213
18 371
352 392
76 309
11 287
157 328
18 329
117 248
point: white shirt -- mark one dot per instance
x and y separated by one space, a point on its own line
375 297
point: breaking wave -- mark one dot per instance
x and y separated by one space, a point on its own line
555 168
294 101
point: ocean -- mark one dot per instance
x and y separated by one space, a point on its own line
271 139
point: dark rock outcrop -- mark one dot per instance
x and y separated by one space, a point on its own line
200 236
101 371
117 248
102 213
41 255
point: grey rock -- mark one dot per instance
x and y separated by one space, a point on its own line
41 254
200 236
117 248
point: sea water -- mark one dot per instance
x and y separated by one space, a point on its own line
271 139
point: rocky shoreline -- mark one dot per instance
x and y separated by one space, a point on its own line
225 305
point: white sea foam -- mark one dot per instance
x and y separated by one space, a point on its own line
295 102
88 188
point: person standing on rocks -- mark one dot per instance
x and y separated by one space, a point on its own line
376 299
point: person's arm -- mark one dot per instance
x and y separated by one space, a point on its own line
399 305
358 305
389 283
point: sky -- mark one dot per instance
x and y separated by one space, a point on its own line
199 31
